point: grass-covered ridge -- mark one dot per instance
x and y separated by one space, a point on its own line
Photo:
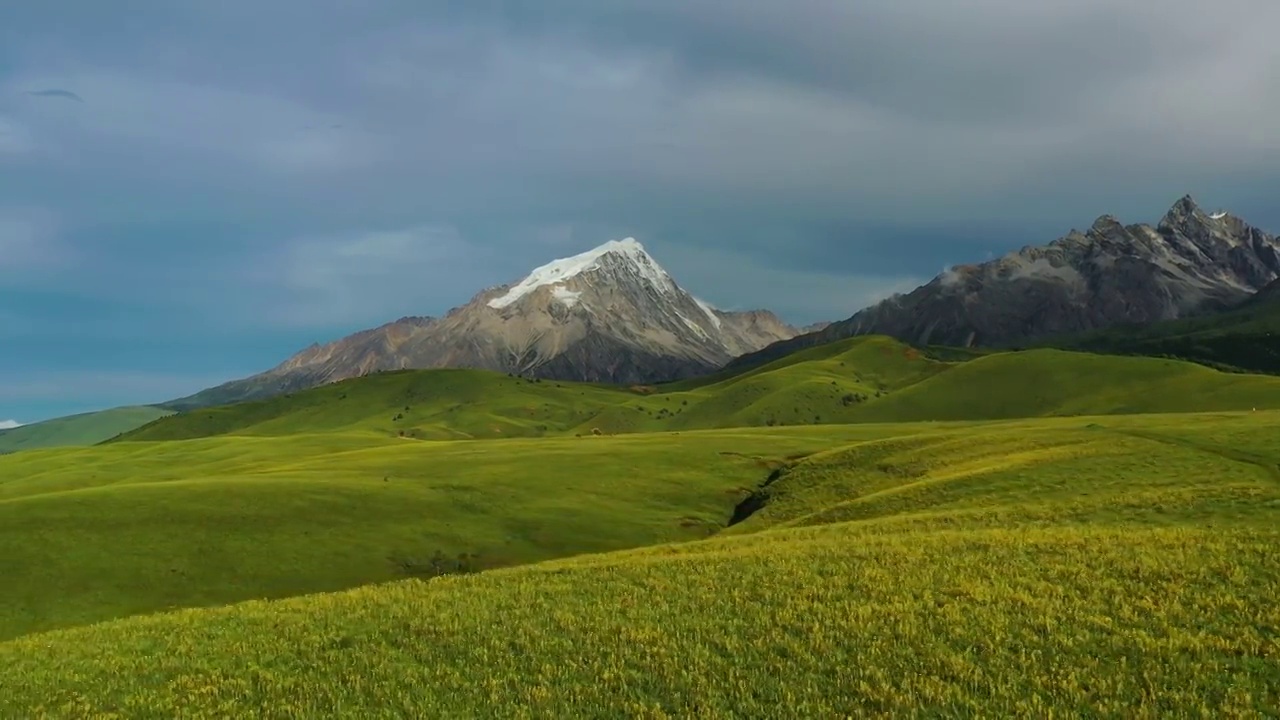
1110 566
865 379
83 429
97 533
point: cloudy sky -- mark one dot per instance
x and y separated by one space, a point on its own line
190 191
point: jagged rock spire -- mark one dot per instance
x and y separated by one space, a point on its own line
1182 211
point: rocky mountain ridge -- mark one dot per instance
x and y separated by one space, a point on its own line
1190 263
611 314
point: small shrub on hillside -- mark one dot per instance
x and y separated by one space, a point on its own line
437 565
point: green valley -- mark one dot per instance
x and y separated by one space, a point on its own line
859 529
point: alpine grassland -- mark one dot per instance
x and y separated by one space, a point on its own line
73 430
862 530
92 534
1081 567
865 379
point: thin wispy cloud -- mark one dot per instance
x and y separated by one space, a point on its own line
56 93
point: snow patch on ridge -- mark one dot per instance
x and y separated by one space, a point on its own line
1218 215
565 295
557 271
9 424
710 311
693 325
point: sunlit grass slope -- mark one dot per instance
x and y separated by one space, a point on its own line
826 384
1156 469
821 385
427 404
1037 383
1118 567
84 429
866 379
97 533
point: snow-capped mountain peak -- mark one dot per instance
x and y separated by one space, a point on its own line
611 314
627 253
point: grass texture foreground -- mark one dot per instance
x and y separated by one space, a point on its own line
822 622
1121 566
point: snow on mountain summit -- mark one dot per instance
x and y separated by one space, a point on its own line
628 252
610 315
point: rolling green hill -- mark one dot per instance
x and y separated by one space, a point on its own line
1111 566
865 379
84 429
858 529
1039 383
90 534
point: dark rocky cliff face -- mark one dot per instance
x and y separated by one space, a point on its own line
1189 263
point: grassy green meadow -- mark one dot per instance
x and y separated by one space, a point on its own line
1033 534
99 533
865 379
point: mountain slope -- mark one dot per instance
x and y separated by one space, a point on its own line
1245 338
1188 264
611 314
83 429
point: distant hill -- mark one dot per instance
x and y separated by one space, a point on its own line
1048 382
865 379
83 429
1246 338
